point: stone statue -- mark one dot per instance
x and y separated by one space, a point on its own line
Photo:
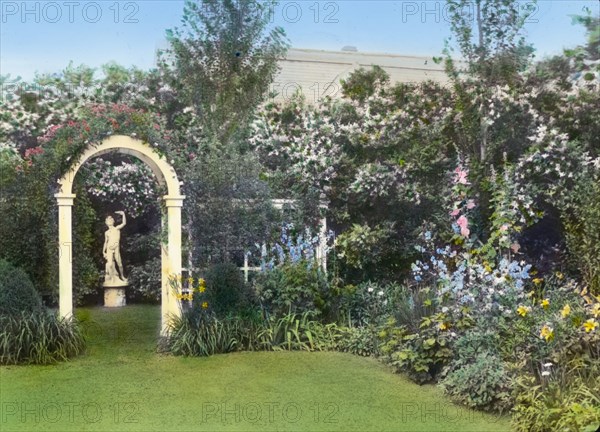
112 253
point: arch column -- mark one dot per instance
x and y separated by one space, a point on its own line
171 260
65 253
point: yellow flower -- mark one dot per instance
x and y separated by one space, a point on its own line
530 293
523 310
545 303
596 310
201 285
547 333
560 276
566 311
590 325
204 305
443 326
537 281
190 281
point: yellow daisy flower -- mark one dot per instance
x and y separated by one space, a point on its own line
566 311
545 303
547 333
590 325
523 310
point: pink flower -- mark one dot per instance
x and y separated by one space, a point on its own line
33 151
460 175
503 228
455 212
463 223
470 204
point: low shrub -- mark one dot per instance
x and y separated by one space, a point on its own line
294 288
362 341
365 304
17 293
227 292
421 355
482 383
477 376
38 337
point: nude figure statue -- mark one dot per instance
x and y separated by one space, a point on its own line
111 251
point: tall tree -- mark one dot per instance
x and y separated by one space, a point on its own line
489 35
222 60
218 69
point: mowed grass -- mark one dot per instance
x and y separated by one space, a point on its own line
122 384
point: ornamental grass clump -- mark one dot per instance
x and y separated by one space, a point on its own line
38 337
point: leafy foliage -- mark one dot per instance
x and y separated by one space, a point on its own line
294 288
476 376
17 292
38 337
227 291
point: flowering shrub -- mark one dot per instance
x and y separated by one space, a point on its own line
131 184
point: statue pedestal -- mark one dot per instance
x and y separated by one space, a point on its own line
114 294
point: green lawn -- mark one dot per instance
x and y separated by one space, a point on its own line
121 384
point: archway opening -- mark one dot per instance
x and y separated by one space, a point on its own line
171 221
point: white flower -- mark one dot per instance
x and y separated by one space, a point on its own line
444 309
548 364
370 289
545 373
380 293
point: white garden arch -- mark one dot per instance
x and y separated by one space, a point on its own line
171 252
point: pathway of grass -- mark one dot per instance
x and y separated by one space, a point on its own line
121 384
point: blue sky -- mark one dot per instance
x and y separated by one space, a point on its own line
44 36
